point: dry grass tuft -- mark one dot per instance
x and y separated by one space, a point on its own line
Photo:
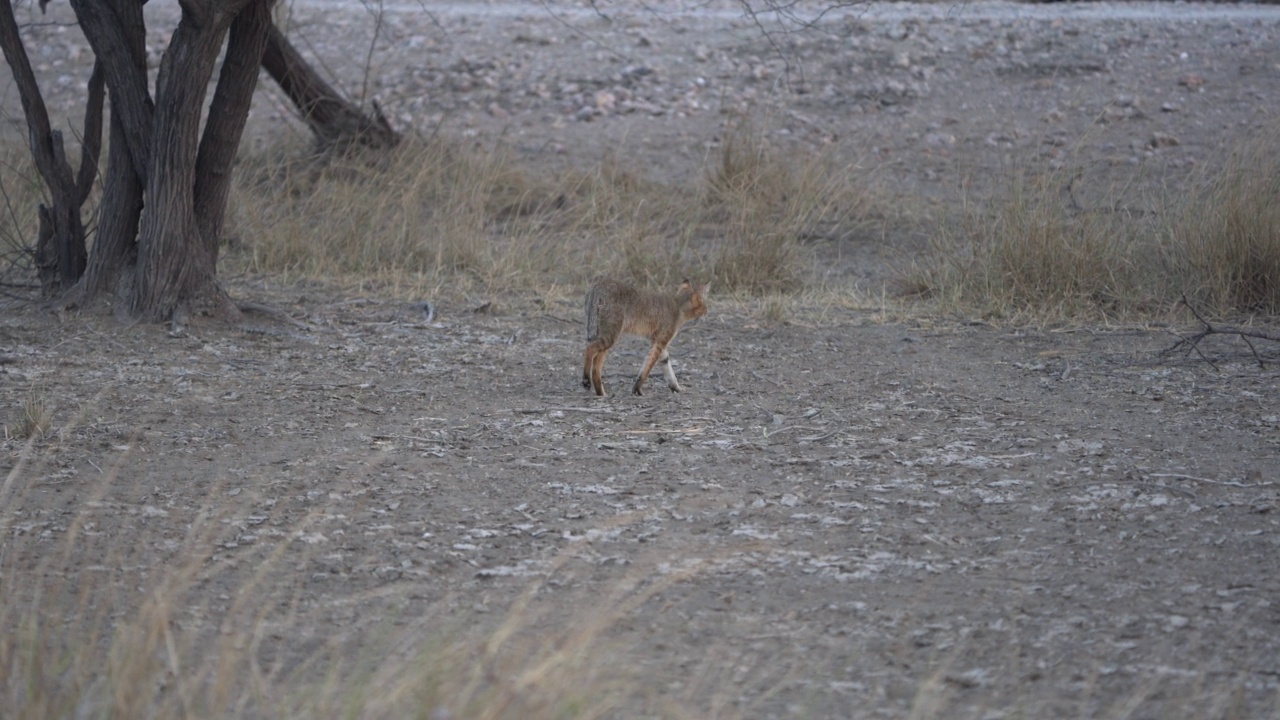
448 215
764 209
1031 255
34 419
1224 245
21 192
1035 255
99 628
429 210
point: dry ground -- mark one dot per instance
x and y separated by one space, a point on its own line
851 514
832 520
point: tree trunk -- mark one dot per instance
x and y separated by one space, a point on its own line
115 246
60 248
117 33
227 117
119 41
336 123
174 267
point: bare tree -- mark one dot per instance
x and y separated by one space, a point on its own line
167 181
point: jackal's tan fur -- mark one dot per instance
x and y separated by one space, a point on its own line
614 308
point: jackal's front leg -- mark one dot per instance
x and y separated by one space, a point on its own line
668 371
658 351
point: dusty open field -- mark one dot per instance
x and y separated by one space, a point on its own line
853 514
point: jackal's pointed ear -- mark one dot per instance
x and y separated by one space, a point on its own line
704 288
685 285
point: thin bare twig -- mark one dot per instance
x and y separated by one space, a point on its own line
1191 343
1228 483
539 411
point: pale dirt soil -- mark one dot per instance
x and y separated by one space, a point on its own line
845 517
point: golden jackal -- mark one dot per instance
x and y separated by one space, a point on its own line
614 308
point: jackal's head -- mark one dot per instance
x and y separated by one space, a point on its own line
692 305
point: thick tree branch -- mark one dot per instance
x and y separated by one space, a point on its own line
91 142
117 33
60 249
334 121
228 113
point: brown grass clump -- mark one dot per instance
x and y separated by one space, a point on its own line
428 210
446 215
1033 255
147 640
1224 245
21 191
34 419
766 208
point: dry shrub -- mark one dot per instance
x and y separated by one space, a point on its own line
429 210
443 213
761 208
34 418
21 192
1033 255
1225 243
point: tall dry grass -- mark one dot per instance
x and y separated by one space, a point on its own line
766 209
443 214
1031 252
108 614
115 620
1224 243
21 191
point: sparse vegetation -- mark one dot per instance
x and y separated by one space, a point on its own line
443 214
33 419
1224 244
858 509
1032 254
21 193
149 643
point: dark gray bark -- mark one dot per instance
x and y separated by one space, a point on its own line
174 267
335 122
118 37
60 247
116 31
228 114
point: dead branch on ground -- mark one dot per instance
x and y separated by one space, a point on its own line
1191 343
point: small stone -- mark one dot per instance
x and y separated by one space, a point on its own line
1162 139
1191 81
939 139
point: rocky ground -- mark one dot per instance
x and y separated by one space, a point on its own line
845 517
